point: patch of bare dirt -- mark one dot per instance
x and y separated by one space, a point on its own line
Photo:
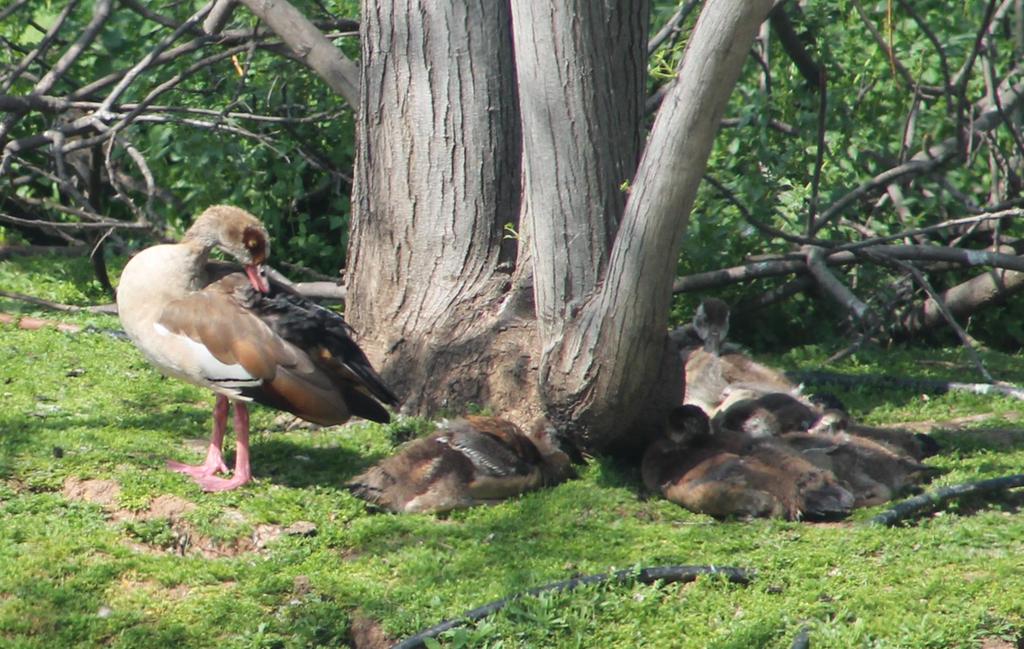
101 492
184 536
289 422
197 444
1001 643
169 507
191 542
349 554
152 588
15 485
839 525
365 633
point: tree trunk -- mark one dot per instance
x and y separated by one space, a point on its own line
582 104
572 322
610 372
437 182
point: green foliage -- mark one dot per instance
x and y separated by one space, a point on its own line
295 175
770 172
156 532
77 574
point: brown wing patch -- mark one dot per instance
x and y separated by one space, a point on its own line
254 358
228 331
302 396
310 383
507 433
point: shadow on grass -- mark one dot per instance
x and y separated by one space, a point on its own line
288 464
274 455
616 473
978 440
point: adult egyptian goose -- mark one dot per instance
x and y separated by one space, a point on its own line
243 337
470 461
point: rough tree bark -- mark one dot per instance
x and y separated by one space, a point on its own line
437 177
572 321
963 299
601 368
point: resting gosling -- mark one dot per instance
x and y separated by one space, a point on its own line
731 474
470 461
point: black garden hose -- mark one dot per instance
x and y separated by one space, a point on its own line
667 574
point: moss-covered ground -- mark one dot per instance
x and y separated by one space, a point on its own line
101 546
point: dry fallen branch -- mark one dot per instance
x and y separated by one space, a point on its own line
963 299
760 269
929 159
933 386
321 290
815 261
64 225
108 309
952 224
795 264
938 303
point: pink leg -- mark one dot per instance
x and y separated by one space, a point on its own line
214 458
243 472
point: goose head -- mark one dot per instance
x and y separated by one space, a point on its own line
556 450
239 234
687 424
711 322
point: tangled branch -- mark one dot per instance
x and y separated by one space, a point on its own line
77 136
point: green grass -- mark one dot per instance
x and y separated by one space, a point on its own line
76 574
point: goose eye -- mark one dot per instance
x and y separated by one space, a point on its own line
255 245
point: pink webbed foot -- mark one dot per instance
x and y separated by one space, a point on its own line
213 483
212 466
214 462
205 477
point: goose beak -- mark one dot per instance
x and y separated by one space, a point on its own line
258 277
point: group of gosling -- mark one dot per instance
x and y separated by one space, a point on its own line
745 443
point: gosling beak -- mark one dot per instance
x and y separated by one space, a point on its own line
713 343
258 277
